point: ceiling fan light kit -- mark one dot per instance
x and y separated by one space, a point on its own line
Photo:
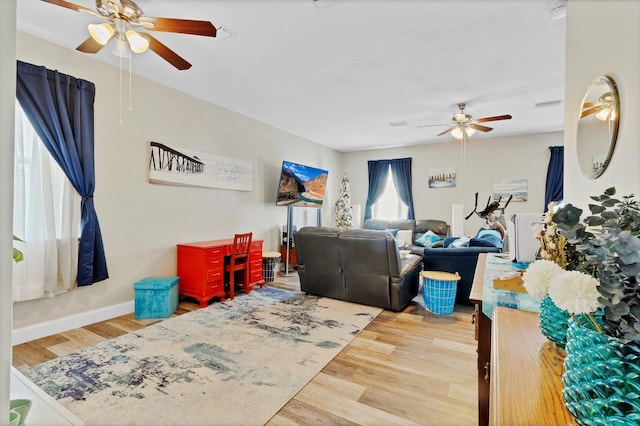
101 33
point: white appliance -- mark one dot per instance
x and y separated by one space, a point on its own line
523 244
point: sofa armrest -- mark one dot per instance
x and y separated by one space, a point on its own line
409 264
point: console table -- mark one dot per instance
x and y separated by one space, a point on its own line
526 373
201 268
509 353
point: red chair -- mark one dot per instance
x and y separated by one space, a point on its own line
239 261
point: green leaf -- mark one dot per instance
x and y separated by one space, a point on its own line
594 221
610 202
17 255
596 208
610 191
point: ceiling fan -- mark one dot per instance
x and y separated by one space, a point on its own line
603 108
464 126
123 20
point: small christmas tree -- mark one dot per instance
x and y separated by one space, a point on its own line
344 209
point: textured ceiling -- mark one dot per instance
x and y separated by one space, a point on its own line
338 72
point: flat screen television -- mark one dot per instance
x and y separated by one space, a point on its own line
301 186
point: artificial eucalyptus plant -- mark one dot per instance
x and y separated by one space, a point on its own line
606 245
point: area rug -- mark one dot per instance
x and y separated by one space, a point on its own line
236 362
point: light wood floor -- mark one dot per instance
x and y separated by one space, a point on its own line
405 368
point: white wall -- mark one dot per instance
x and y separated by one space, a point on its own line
603 38
141 223
487 160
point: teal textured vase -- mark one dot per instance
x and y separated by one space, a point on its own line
601 380
553 322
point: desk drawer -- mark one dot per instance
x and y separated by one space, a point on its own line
215 263
255 276
215 276
215 252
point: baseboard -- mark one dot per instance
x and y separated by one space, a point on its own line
47 328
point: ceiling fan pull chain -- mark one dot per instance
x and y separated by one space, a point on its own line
130 61
120 91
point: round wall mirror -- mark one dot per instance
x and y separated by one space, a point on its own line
598 126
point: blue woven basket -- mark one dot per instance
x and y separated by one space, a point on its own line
439 291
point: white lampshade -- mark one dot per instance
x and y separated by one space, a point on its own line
470 131
457 133
137 43
101 33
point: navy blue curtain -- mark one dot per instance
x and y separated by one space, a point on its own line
401 173
60 108
554 190
378 172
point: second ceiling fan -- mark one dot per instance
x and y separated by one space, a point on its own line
463 125
124 19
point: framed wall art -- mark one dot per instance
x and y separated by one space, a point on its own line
172 165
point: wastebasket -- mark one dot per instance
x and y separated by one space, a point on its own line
270 260
439 291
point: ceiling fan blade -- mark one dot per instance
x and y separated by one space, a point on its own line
495 118
481 128
183 26
446 131
90 46
590 111
432 125
165 53
72 6
592 104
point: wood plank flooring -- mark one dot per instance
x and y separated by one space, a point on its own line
407 368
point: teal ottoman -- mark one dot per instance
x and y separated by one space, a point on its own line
156 297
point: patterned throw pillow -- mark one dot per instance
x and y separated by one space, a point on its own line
428 239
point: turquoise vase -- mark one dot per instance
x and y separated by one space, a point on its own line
553 322
601 380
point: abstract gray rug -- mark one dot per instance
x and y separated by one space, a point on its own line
236 362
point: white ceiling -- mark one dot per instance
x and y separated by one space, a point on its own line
338 72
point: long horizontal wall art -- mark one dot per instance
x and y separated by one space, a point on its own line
172 165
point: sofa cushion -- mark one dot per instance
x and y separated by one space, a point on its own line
439 227
382 224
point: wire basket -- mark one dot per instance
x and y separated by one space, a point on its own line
439 291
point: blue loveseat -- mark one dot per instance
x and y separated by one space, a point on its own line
461 260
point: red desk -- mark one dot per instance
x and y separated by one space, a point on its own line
201 268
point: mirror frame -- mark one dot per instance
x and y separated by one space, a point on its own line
590 97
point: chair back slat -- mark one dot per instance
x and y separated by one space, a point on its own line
240 249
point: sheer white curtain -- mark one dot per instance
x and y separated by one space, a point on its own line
389 206
46 215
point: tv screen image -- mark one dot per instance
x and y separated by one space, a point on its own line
301 186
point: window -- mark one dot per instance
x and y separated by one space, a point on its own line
390 191
46 215
389 206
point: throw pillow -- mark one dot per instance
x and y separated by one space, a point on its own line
428 239
405 235
460 242
491 236
393 231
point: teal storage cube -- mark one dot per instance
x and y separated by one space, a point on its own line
156 297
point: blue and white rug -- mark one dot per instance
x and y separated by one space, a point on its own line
236 362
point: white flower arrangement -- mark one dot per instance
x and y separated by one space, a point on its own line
575 292
539 275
